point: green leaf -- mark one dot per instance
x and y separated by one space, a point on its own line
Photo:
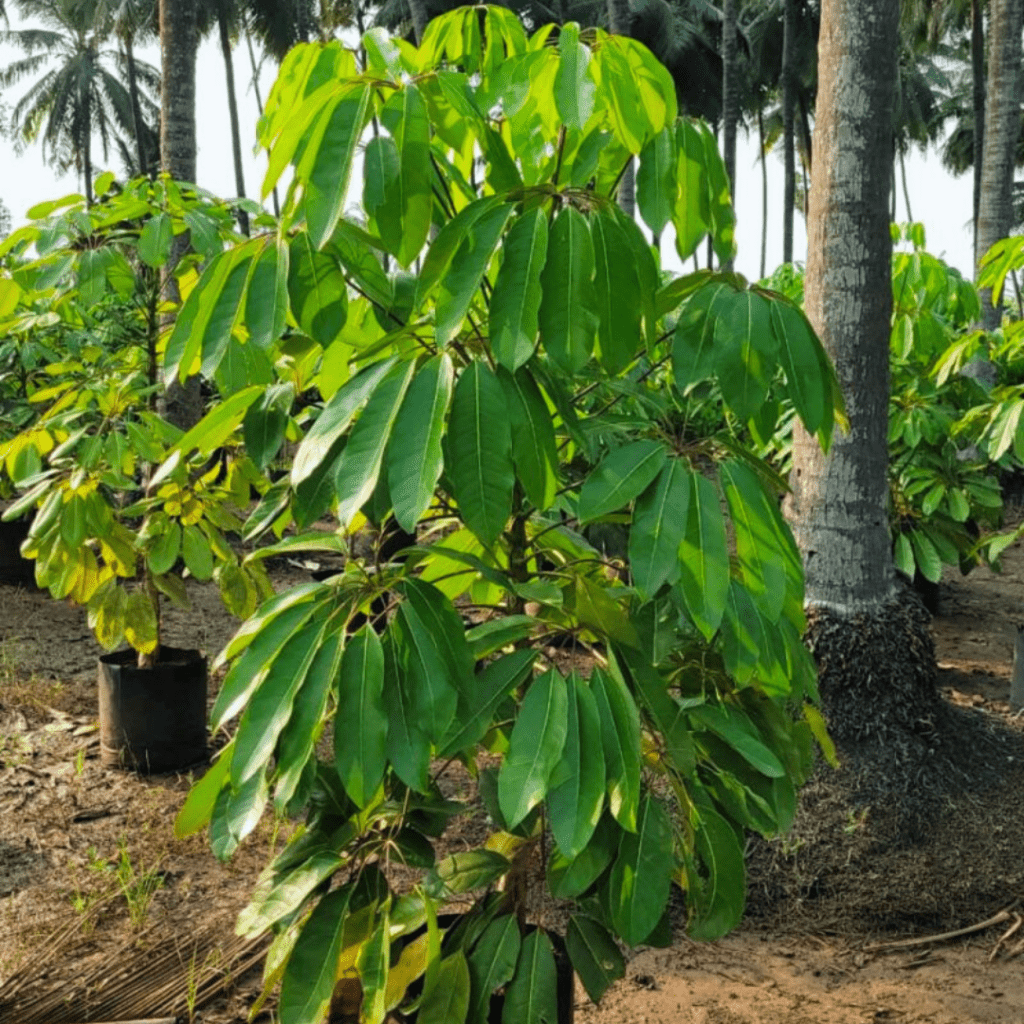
704 558
198 806
155 240
574 84
381 196
497 633
327 159
415 458
408 749
577 788
735 728
531 997
477 707
316 290
694 353
595 956
595 606
620 477
196 551
360 735
270 705
445 633
927 558
642 874
334 419
236 813
620 740
373 962
717 900
446 1001
466 871
466 271
357 470
492 962
567 318
265 423
801 359
656 186
309 976
534 449
617 287
571 878
432 694
535 747
412 137
266 300
903 555
658 529
516 297
480 452
746 352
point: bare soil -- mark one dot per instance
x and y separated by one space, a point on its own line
80 940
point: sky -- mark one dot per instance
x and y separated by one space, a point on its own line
940 201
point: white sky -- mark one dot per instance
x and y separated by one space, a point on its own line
941 202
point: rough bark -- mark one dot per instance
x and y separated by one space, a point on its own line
839 499
1002 126
978 76
788 127
236 135
730 98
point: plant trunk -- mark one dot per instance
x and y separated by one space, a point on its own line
906 191
788 132
839 502
418 11
730 99
259 107
764 193
1002 127
236 135
133 95
87 158
978 75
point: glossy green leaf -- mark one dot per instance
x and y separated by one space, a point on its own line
704 558
622 100
270 705
571 878
266 299
477 707
735 728
658 528
412 137
903 555
360 733
574 83
620 477
415 457
334 420
719 898
746 352
317 290
431 693
492 962
408 748
620 740
531 997
374 962
535 747
445 633
357 470
465 871
656 187
196 551
381 190
596 606
155 240
642 874
466 271
534 449
577 789
567 317
617 288
236 813
927 558
309 976
327 159
480 452
515 299
595 956
446 1001
198 806
801 361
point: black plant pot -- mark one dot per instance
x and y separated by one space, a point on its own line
153 719
14 568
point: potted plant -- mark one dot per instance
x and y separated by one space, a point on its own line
121 497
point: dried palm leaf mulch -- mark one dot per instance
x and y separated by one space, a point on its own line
155 974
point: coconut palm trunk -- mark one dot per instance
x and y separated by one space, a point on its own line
978 83
730 97
788 127
1002 127
236 135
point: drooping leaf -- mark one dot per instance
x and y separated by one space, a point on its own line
531 997
415 457
316 290
619 478
432 695
534 451
642 874
360 733
594 955
534 748
719 898
620 740
656 187
658 528
515 299
617 287
492 962
704 558
480 452
446 1001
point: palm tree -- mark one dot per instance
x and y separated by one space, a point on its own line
1002 131
78 94
730 93
179 40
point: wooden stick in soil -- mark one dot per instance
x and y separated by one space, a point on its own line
1008 934
1003 915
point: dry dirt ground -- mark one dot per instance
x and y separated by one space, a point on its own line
105 916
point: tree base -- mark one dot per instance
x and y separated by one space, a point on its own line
919 826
